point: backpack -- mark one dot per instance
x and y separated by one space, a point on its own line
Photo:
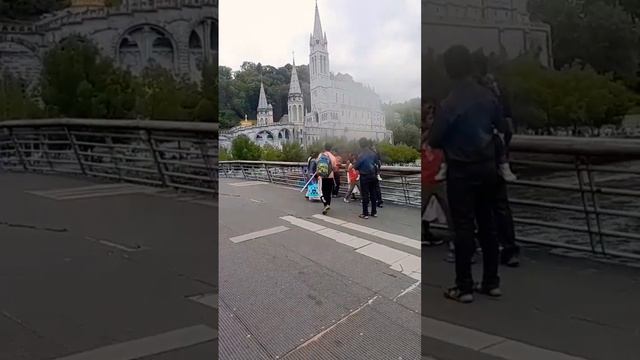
324 166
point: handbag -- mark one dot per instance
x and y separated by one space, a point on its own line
434 212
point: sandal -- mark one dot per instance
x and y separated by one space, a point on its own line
458 295
362 216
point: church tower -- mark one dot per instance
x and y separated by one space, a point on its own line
295 102
265 111
319 73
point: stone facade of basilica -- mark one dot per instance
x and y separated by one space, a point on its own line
496 26
177 34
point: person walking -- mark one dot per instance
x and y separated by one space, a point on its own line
464 128
326 170
336 188
366 167
352 177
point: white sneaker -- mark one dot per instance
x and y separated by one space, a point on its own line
505 172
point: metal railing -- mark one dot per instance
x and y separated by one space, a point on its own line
578 194
560 200
400 185
171 154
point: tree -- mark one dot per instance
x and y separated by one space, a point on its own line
15 101
270 153
91 87
293 152
242 148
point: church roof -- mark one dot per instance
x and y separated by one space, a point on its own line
294 86
262 103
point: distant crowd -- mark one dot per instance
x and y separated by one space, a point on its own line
362 174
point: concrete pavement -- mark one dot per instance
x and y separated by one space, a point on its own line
553 307
90 271
295 285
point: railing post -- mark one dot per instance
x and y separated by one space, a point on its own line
14 139
244 174
45 150
594 200
266 168
76 150
585 206
205 159
151 142
112 148
404 190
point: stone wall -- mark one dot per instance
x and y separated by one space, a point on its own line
178 34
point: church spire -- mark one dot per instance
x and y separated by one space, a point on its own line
294 87
317 26
262 103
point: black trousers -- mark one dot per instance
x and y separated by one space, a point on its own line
336 188
368 188
472 190
504 223
327 191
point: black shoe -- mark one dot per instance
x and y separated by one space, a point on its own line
458 295
431 240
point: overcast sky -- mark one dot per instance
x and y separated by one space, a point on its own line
377 42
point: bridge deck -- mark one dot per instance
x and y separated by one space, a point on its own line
85 266
573 306
320 288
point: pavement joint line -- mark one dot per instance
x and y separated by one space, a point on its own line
258 234
248 183
157 344
407 290
396 259
320 334
116 245
93 191
399 239
210 300
489 344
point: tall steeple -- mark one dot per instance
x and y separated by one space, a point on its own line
295 102
317 25
319 69
262 103
265 110
294 86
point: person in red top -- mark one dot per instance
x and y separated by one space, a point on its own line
432 160
352 177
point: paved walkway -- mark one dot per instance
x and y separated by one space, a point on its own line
297 285
105 271
553 307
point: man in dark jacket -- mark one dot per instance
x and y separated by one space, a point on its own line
366 166
464 129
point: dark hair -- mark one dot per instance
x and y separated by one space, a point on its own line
364 143
327 147
458 62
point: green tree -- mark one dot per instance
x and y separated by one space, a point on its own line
15 101
270 153
293 152
242 148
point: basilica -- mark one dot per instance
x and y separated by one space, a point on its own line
340 106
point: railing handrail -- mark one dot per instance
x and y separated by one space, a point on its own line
183 126
398 169
579 146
